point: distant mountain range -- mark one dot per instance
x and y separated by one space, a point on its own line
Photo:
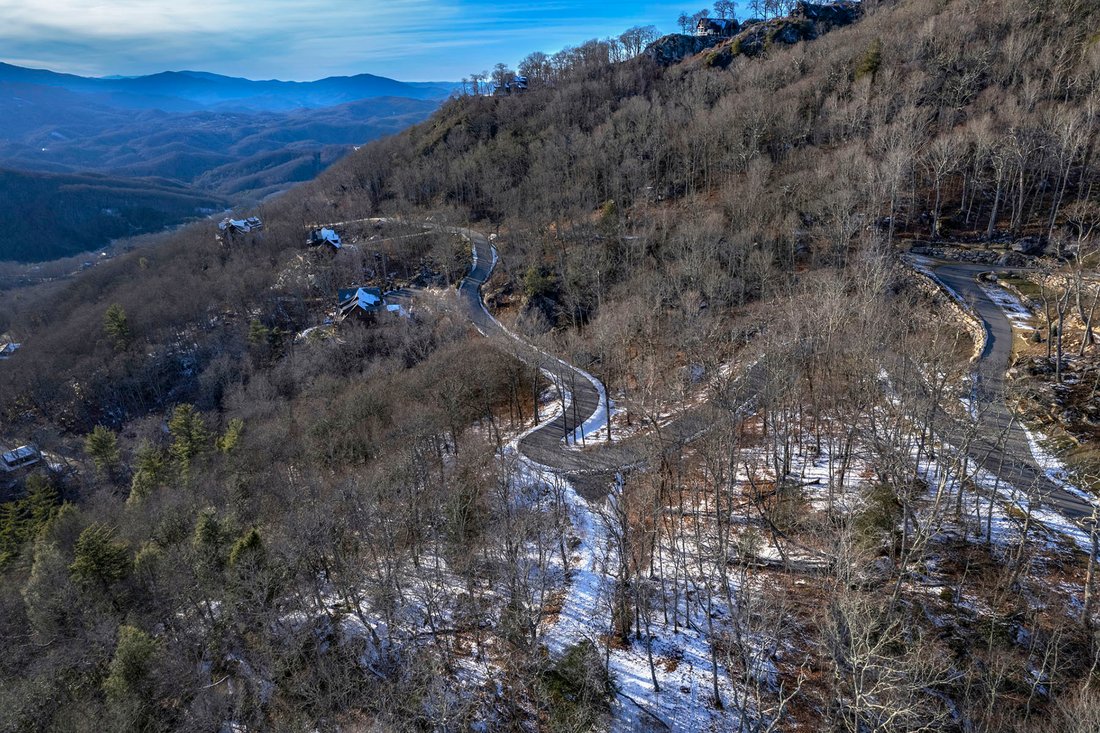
188 91
181 138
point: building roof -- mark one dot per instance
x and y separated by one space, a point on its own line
252 223
19 456
366 300
325 236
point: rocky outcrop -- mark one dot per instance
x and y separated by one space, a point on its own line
1029 245
828 16
674 48
755 38
1012 259
806 22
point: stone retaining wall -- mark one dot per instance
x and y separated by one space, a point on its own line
933 286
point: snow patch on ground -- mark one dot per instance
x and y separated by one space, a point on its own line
1000 508
582 615
1054 468
1058 528
683 665
990 516
599 434
1016 312
970 401
826 483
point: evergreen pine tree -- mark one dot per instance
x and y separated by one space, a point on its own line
99 558
101 445
232 436
117 326
190 437
249 546
150 472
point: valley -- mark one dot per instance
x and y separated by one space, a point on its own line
100 159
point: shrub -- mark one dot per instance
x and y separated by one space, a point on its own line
579 688
537 283
131 665
871 61
879 517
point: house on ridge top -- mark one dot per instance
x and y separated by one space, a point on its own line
717 27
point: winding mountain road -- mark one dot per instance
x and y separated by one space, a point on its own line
1001 445
545 443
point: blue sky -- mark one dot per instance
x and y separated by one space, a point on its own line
415 40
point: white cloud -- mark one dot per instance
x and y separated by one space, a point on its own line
441 39
142 19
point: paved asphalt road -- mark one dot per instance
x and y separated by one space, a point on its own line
1001 445
545 444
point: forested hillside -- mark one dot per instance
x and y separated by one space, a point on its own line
54 215
258 519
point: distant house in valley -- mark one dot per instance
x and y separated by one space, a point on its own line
8 349
20 458
716 27
359 303
231 228
327 238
